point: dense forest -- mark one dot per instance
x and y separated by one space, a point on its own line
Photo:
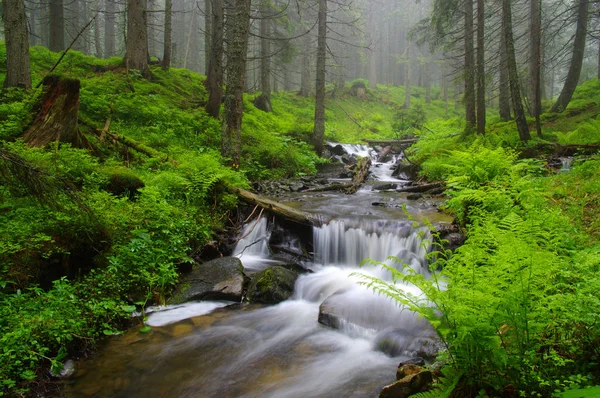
142 140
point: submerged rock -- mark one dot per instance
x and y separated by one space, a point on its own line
219 279
271 286
68 369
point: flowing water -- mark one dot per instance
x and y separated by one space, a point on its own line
212 349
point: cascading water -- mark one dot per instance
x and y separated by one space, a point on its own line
282 350
380 171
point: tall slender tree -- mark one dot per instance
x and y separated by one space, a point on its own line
137 36
109 28
57 25
264 100
214 77
576 59
535 62
238 28
319 128
515 90
503 83
469 96
480 67
168 29
17 44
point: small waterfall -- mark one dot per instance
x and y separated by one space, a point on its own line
253 246
380 171
348 243
566 164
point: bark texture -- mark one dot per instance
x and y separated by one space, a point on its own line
469 68
576 59
214 78
263 102
319 129
17 45
109 29
515 90
57 25
237 41
504 89
168 41
480 67
535 62
57 118
137 36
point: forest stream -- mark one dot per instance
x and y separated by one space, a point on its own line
222 349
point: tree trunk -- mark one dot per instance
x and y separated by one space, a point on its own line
208 30
137 37
97 32
407 79
504 89
427 82
57 25
263 102
237 48
535 63
469 96
214 78
189 39
513 76
33 21
305 76
480 67
57 119
576 59
319 128
17 45
109 28
168 41
361 172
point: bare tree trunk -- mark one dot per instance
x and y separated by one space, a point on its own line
137 37
17 45
427 82
168 41
109 28
504 89
469 96
576 59
189 39
208 30
263 102
515 90
97 32
57 25
480 67
372 56
214 78
408 78
535 63
319 128
33 20
237 47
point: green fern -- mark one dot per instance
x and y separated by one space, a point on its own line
444 387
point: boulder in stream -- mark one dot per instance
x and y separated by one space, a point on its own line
406 170
219 279
272 285
409 385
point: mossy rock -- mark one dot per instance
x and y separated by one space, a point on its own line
219 279
271 286
124 182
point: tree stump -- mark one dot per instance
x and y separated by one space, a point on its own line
57 117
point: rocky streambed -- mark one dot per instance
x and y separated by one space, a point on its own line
285 315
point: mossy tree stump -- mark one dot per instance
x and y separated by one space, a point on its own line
57 116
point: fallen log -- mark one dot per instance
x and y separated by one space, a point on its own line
422 188
392 142
361 171
276 208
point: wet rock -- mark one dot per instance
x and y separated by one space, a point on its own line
219 279
330 311
385 187
271 286
452 236
378 204
297 187
335 149
412 361
67 370
408 386
397 341
345 174
406 170
414 196
349 159
407 370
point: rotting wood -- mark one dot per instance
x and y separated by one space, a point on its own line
361 172
422 188
392 142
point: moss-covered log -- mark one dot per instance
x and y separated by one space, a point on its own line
422 188
57 116
361 171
